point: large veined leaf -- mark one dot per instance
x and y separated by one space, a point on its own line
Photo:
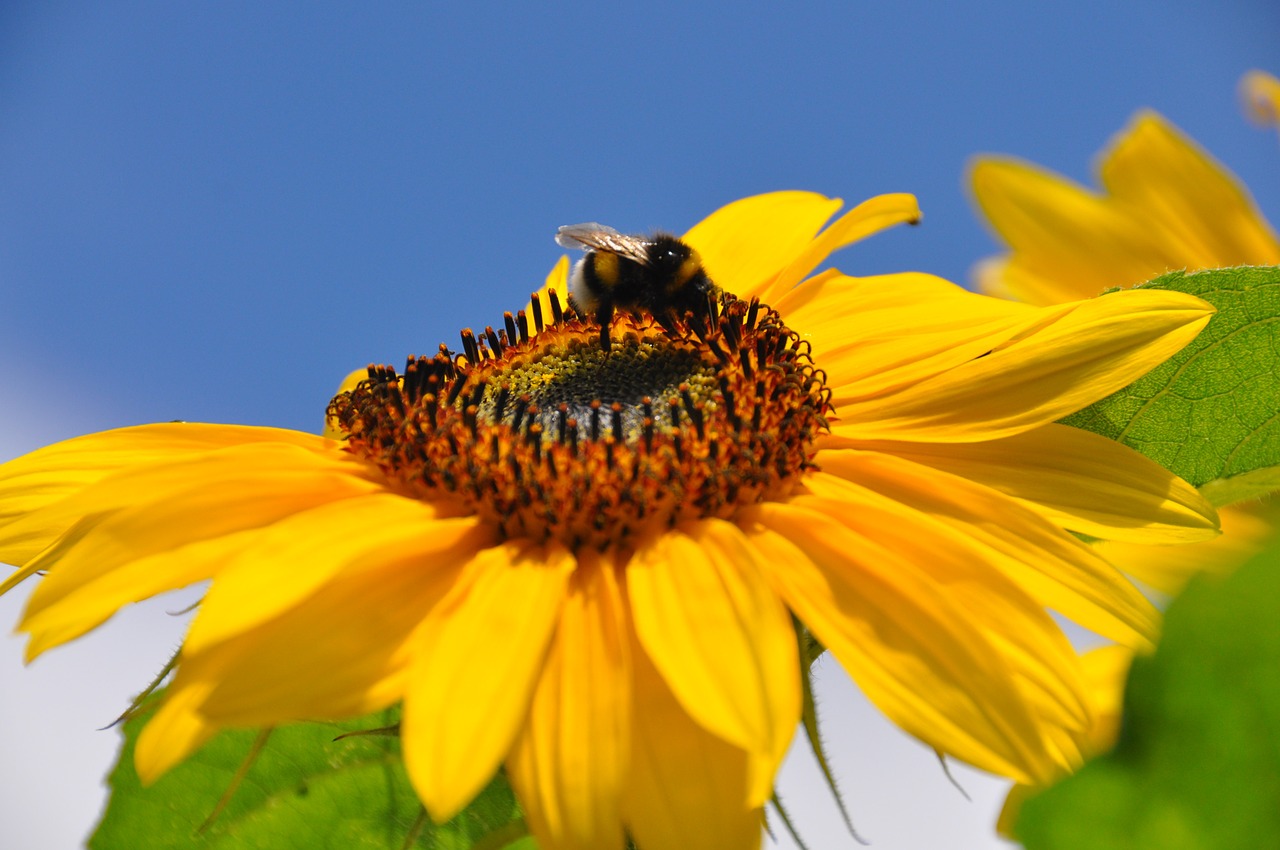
1211 413
303 790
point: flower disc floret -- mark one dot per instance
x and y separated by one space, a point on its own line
549 435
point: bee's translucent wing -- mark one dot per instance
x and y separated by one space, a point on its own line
593 236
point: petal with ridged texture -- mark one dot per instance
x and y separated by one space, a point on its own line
1085 351
867 218
291 560
176 534
721 638
31 486
477 659
1077 479
874 335
687 788
570 762
746 243
977 578
912 650
1059 571
338 649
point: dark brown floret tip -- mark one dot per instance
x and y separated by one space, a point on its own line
540 430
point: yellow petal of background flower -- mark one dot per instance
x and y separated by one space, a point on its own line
720 637
1194 202
1057 570
746 243
1076 479
1261 93
1045 218
39 479
1246 528
1166 205
867 218
913 651
687 788
478 657
1090 351
570 762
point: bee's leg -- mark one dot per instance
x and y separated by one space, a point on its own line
604 317
667 319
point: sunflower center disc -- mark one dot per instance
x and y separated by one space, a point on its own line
547 434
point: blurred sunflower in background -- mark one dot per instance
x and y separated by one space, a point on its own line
1261 94
1164 204
589 563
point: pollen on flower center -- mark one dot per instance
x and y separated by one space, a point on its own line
547 434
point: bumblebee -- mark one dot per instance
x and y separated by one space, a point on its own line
658 274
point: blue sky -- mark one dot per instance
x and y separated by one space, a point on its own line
213 211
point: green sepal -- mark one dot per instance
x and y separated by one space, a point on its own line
811 649
1197 763
1211 413
302 789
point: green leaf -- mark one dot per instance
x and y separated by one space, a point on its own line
1211 413
1197 764
304 790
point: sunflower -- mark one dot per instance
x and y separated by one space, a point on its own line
1165 204
1261 94
589 566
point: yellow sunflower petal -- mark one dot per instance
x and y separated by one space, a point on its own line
340 649
913 651
721 638
39 479
290 560
1056 569
836 306
1076 479
873 335
176 731
687 788
867 218
178 533
1194 202
1261 94
746 243
570 761
1084 353
977 576
477 660
1045 219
